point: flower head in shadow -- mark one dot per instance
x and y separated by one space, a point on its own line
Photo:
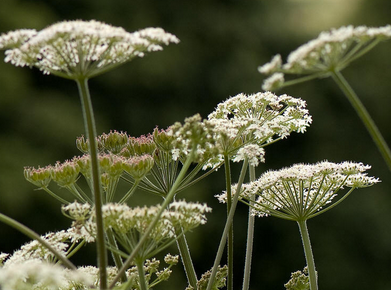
331 51
80 49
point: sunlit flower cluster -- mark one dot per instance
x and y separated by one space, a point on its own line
80 49
303 191
244 124
331 51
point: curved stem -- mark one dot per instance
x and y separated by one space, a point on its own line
89 123
186 258
227 226
164 205
250 238
364 116
33 235
308 254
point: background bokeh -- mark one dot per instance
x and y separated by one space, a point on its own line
222 44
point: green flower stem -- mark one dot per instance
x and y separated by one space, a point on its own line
308 254
89 123
141 275
364 116
186 258
116 257
230 239
33 235
164 205
250 238
228 224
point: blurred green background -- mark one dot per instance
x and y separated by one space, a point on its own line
222 44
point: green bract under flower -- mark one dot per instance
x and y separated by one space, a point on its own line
331 51
80 49
303 191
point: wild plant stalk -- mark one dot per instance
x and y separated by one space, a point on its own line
164 205
230 238
187 262
250 237
327 56
305 237
90 128
364 116
33 235
227 226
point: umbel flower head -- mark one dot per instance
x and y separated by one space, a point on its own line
303 191
80 49
244 124
331 51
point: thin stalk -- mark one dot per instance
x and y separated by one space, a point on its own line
186 258
250 237
141 275
227 226
305 237
116 257
33 235
230 238
89 123
164 205
364 116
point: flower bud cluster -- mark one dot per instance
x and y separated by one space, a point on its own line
332 50
75 49
303 191
194 134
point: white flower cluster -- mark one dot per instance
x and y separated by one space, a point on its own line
130 223
332 50
244 124
34 250
80 49
303 190
34 274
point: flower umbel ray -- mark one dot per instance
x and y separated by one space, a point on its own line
303 191
80 49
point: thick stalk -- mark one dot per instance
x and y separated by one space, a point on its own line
364 116
141 275
250 238
227 226
186 258
230 238
33 235
305 237
89 123
164 205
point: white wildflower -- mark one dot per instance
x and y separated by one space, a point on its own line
273 82
35 274
80 49
331 51
303 191
256 120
